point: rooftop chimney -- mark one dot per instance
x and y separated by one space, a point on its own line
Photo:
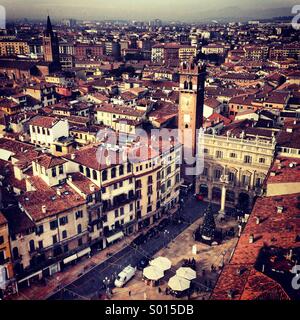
73 156
251 238
279 209
92 187
44 209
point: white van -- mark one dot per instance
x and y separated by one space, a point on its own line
124 276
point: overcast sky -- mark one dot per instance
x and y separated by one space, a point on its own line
138 9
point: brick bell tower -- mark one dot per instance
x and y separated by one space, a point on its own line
191 100
51 46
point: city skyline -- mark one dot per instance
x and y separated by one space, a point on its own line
192 10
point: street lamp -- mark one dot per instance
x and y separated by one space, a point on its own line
106 282
166 234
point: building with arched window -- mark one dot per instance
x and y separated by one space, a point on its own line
245 162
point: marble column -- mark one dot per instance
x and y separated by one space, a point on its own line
223 201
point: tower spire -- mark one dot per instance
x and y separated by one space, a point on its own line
49 29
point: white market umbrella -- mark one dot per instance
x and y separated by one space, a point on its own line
153 273
162 263
179 284
186 273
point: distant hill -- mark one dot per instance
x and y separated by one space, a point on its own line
240 14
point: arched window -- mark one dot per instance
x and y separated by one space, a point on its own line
15 253
190 85
81 168
95 176
185 85
31 246
104 175
128 167
186 126
88 172
79 229
113 172
121 170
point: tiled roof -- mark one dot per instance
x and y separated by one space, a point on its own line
82 183
33 201
212 102
43 121
275 229
286 170
120 110
49 161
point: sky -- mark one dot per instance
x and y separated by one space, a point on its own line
143 10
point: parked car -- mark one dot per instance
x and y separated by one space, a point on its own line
124 276
199 196
163 224
152 233
139 240
143 263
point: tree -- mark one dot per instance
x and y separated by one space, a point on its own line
209 225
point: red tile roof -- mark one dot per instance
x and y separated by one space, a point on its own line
33 201
274 229
286 170
43 121
49 161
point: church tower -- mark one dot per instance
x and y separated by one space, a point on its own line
51 46
191 100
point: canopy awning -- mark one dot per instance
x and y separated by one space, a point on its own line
179 284
70 258
31 276
5 154
153 273
186 273
115 237
162 263
84 252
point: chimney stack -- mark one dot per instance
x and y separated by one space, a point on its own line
44 209
279 209
251 238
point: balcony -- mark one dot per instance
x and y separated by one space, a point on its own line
95 221
121 201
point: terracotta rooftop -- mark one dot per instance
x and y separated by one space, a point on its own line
286 170
82 183
49 161
43 121
16 147
212 102
110 108
33 201
275 228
